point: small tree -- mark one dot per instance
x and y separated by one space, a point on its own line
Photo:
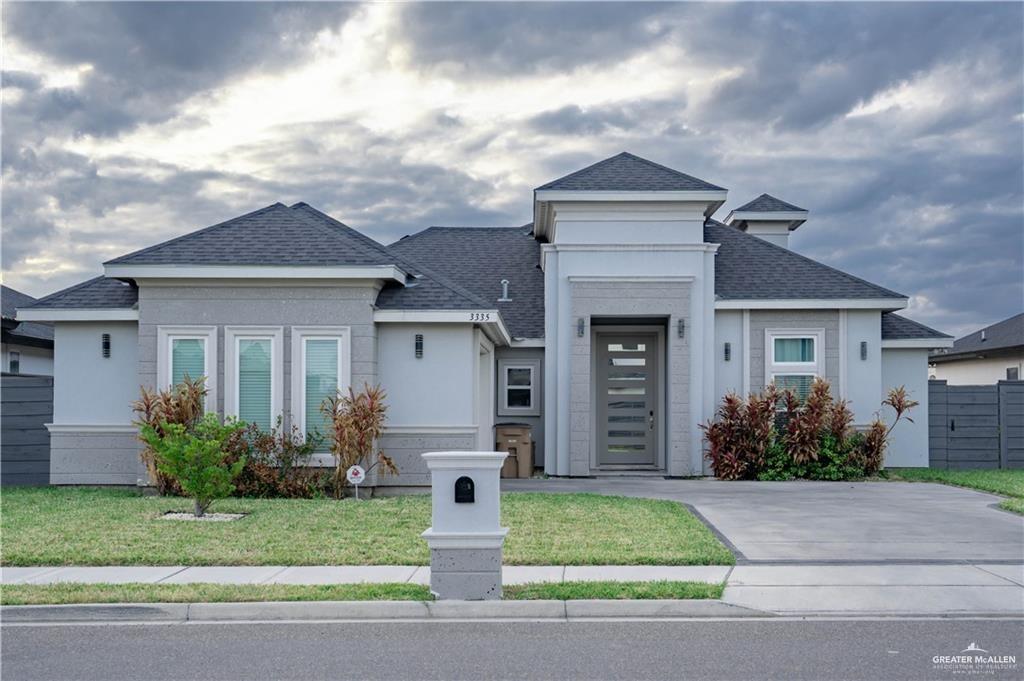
181 404
877 437
356 422
196 459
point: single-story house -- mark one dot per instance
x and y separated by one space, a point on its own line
612 325
987 356
25 347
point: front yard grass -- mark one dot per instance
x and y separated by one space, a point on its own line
1008 482
66 594
96 526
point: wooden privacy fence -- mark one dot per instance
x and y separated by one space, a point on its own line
976 426
26 404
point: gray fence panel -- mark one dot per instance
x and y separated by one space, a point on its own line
26 404
976 426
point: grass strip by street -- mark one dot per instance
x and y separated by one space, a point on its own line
76 593
96 526
571 591
1008 482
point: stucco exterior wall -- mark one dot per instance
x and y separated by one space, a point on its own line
34 361
435 390
908 446
283 306
536 423
861 380
88 388
793 319
985 371
669 299
728 373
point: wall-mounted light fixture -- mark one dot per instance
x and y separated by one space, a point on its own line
863 350
581 325
728 352
419 346
105 344
504 292
681 328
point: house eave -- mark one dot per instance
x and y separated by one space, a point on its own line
249 272
489 321
887 304
919 343
79 314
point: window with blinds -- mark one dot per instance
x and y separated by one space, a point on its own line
794 360
321 371
255 381
188 358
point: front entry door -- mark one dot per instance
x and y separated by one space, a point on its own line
628 401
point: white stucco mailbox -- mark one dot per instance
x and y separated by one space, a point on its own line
466 536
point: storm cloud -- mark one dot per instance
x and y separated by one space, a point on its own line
898 125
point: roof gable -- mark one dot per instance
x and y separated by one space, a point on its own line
766 203
627 172
272 236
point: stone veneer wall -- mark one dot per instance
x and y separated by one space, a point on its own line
654 298
95 458
793 319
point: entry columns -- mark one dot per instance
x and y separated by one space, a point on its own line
466 536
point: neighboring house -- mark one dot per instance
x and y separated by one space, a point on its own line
25 347
613 324
995 353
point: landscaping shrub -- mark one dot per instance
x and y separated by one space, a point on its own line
196 459
811 438
276 462
357 422
180 405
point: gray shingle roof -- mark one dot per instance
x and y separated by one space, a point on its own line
897 327
275 235
96 293
747 267
1008 333
10 301
629 173
766 203
477 259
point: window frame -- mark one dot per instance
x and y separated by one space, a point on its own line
166 335
233 335
299 335
504 365
14 362
774 369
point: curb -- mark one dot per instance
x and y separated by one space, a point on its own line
370 610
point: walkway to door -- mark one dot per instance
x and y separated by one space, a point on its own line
815 522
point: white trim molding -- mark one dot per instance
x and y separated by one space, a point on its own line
300 334
166 335
812 304
910 343
130 271
772 368
634 279
79 314
489 320
406 429
232 334
698 196
90 428
527 343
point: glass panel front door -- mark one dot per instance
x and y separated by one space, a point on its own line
627 399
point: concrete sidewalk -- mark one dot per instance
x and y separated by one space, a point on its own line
353 574
922 589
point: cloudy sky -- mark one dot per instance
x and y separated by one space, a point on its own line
898 126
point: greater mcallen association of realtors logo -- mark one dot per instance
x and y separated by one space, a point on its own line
974 660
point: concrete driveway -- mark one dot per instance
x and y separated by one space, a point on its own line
814 522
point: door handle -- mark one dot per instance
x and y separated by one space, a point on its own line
650 420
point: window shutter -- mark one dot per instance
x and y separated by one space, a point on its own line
321 381
188 358
254 381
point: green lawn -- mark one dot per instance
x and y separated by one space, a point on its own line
62 594
1008 482
94 526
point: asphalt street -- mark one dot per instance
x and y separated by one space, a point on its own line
733 649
